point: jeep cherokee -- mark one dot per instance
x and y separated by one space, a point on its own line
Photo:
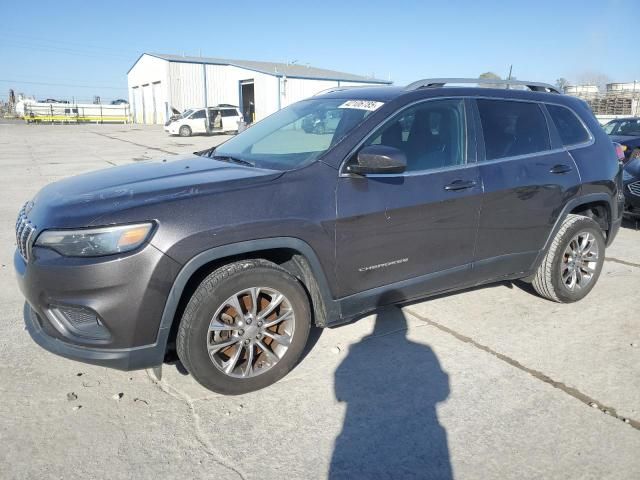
228 256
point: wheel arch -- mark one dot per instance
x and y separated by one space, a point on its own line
293 254
580 206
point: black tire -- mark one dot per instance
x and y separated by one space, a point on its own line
547 280
185 131
214 290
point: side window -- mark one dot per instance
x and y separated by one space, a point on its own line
229 113
431 134
629 127
512 128
570 129
198 114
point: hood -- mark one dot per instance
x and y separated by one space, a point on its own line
80 200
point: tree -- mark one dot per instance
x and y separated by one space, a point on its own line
490 76
561 83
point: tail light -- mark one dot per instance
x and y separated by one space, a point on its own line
620 149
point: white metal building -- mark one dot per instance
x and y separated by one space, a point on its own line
159 84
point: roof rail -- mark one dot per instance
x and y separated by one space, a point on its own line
441 82
346 87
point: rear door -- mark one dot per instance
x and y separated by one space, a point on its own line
230 119
528 178
418 227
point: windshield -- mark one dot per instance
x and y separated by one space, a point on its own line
186 113
297 135
623 127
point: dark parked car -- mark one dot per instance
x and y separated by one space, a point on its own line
228 256
626 132
631 179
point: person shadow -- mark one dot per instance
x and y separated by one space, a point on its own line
391 386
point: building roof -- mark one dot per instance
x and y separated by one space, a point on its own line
271 68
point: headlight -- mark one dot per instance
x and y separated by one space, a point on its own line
626 176
95 242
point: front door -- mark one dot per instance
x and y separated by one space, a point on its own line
418 227
198 121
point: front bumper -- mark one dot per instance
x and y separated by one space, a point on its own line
126 294
135 358
631 201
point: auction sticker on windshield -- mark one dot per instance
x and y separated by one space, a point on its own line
369 105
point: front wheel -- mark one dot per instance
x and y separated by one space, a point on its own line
244 328
185 131
572 265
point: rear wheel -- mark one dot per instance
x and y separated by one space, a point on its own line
185 131
244 328
572 265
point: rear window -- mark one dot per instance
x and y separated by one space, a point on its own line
512 128
570 128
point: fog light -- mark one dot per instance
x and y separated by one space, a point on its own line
78 322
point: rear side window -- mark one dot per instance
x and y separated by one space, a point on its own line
570 128
512 128
229 113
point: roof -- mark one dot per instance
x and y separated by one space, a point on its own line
271 68
388 93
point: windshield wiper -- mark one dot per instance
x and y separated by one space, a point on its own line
238 161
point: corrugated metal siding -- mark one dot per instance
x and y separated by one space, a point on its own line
147 71
187 85
295 89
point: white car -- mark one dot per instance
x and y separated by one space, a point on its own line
221 118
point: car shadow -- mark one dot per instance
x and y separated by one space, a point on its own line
391 386
631 222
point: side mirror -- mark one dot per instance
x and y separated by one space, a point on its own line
379 159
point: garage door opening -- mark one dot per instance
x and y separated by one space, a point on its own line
247 101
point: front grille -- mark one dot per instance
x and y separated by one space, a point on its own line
635 188
24 234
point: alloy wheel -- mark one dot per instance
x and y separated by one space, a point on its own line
580 261
250 332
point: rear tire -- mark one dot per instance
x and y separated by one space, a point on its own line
233 352
572 265
185 131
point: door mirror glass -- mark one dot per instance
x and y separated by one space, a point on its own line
379 159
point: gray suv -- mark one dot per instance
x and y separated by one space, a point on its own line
227 257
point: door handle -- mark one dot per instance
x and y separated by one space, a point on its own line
558 169
459 185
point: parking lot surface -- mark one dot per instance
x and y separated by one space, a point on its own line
493 382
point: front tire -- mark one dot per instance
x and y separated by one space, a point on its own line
244 328
185 131
572 265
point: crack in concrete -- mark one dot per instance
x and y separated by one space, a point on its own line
573 392
199 434
622 262
136 144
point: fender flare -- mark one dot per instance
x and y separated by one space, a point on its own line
240 248
570 205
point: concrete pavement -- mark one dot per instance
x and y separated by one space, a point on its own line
493 382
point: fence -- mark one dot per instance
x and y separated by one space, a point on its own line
76 113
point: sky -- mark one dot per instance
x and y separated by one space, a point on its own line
78 49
